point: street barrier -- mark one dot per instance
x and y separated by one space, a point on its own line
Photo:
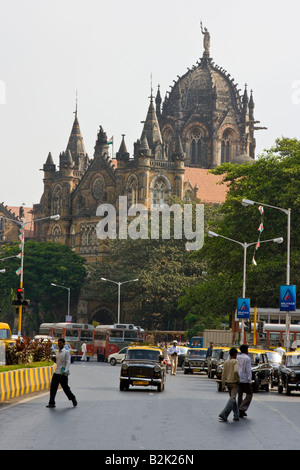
15 383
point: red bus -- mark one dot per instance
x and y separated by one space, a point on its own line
109 339
46 331
275 333
76 334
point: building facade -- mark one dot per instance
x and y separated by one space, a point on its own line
201 123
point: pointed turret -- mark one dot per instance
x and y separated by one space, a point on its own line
76 146
122 154
151 126
158 102
49 165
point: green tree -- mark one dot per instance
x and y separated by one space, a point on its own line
273 179
44 263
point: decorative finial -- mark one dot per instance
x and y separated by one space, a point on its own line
75 112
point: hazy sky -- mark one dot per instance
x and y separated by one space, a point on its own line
108 50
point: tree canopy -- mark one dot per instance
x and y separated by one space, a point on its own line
273 179
44 263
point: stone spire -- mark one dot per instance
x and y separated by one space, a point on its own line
151 127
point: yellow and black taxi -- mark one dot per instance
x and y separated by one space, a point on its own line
214 359
261 370
289 372
195 361
143 366
260 367
5 335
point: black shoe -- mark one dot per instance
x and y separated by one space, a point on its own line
222 418
74 401
242 414
50 406
236 419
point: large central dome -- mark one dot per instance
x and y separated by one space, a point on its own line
206 111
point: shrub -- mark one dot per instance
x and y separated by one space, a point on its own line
26 351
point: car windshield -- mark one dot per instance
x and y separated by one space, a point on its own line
143 354
255 357
274 357
216 353
4 334
292 361
197 352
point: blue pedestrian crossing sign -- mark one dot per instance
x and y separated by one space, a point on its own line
288 298
243 308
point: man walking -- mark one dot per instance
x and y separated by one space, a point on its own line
60 376
173 352
245 386
230 378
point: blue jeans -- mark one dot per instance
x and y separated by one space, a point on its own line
231 405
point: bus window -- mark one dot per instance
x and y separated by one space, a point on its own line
71 335
130 334
86 335
116 335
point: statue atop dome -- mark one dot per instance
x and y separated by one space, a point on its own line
206 40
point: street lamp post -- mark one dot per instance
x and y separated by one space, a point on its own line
69 290
22 225
245 246
119 291
249 202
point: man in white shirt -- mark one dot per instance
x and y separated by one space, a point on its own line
245 385
279 350
60 376
173 352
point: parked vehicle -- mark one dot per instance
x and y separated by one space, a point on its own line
117 357
289 373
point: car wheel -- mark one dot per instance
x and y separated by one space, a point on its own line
280 388
219 385
123 386
113 361
287 389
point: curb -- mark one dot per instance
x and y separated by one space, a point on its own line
15 383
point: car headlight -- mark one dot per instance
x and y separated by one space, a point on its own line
293 374
187 361
219 370
125 366
156 368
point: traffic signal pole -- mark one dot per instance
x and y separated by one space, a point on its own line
21 279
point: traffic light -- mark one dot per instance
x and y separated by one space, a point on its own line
20 298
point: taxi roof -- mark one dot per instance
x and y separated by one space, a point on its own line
149 346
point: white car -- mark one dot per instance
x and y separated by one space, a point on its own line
117 357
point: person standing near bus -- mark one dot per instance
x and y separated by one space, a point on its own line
174 351
83 350
60 375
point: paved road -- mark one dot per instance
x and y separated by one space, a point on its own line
184 416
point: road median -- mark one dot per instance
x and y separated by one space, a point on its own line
15 383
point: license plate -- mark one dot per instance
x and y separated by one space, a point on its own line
197 370
140 382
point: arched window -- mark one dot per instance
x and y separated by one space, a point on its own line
197 147
226 145
161 188
57 200
132 190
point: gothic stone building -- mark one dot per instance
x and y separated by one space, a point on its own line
202 122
